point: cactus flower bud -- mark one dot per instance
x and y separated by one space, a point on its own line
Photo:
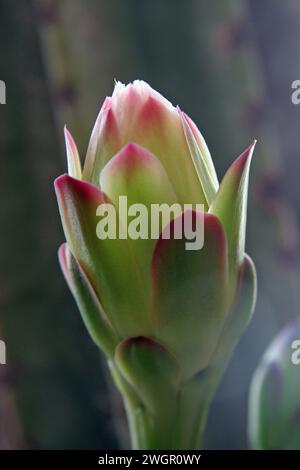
274 405
167 318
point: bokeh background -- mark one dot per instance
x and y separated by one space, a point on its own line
230 65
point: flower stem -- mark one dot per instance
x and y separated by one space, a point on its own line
180 425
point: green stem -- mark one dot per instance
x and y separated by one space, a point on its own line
180 425
163 431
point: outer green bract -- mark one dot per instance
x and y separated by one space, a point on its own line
167 318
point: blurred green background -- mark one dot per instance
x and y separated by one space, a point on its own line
230 65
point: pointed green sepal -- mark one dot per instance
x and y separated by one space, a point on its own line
190 292
230 206
91 310
139 175
74 164
206 176
109 262
240 316
104 143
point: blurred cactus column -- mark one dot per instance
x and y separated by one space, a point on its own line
251 104
11 433
63 65
80 68
274 406
78 65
